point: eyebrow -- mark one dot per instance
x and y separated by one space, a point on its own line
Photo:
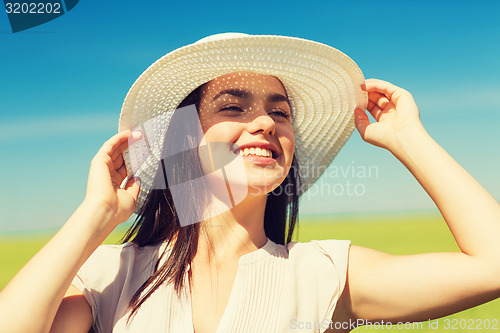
278 98
246 94
235 92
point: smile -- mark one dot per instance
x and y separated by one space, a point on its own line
256 151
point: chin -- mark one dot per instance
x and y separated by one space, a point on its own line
259 188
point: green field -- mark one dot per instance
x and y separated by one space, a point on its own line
392 233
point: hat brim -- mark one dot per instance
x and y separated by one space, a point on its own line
323 86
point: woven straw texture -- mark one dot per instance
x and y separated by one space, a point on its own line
322 83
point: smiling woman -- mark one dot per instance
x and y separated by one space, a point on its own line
248 112
208 152
252 112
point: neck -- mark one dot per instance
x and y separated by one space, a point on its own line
234 233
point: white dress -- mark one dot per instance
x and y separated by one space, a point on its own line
277 288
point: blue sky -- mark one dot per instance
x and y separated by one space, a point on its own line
62 85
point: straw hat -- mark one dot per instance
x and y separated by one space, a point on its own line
322 83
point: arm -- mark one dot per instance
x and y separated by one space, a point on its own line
30 301
420 287
74 314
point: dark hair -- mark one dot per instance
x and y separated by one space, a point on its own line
157 220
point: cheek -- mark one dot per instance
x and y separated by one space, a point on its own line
289 147
288 142
221 132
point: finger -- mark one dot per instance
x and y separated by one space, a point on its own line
361 121
376 112
393 92
377 98
377 104
122 173
119 150
117 176
117 155
380 86
117 140
118 162
112 143
133 187
134 136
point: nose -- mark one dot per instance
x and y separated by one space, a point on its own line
262 123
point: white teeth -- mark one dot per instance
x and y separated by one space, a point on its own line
256 151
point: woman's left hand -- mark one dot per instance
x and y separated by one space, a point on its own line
395 113
440 283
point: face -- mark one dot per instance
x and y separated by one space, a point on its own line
250 113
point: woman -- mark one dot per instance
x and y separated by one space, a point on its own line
226 273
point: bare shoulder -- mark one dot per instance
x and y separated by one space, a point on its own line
344 318
74 314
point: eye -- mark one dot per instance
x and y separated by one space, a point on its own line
231 108
280 113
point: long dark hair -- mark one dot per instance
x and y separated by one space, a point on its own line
157 220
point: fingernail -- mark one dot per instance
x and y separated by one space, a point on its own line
137 180
136 134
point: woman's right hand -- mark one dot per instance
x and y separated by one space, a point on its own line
107 172
30 301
